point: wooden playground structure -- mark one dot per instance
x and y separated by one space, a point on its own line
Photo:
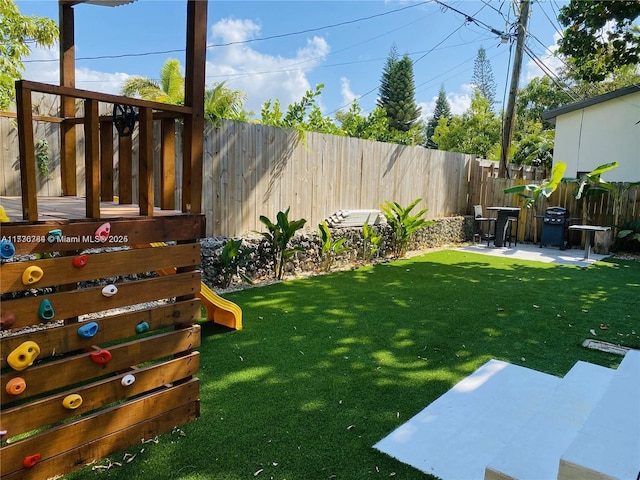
96 352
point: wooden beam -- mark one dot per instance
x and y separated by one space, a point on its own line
168 164
194 97
106 161
27 153
145 162
125 161
92 158
105 97
67 104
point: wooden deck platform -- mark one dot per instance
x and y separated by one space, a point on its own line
74 208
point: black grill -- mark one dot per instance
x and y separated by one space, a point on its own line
554 227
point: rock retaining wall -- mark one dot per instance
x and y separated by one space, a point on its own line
444 231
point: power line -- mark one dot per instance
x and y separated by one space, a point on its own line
241 42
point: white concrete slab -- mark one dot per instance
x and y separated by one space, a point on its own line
608 444
458 434
535 253
534 452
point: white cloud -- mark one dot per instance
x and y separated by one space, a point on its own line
261 76
345 91
459 102
551 62
42 65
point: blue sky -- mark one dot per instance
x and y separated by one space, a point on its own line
341 44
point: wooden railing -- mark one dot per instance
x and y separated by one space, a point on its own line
98 150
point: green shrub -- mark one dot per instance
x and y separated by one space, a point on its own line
370 242
330 248
278 237
403 224
233 257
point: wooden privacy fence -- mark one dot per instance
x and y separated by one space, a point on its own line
252 170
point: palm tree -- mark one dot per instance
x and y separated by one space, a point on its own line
170 88
221 102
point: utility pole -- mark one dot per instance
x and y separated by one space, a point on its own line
509 115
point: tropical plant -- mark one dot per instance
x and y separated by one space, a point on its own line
170 88
629 235
591 184
370 242
331 247
403 224
278 236
532 191
17 31
222 102
42 157
234 256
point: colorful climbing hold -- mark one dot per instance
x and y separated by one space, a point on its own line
128 380
109 290
7 320
45 311
142 327
31 460
4 218
88 330
7 249
32 275
101 357
23 356
54 235
102 233
80 261
16 386
71 402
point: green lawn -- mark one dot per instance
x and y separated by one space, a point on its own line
327 366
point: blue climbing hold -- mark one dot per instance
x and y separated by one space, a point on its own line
88 330
54 235
142 327
7 250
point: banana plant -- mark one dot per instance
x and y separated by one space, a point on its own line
331 248
532 191
278 236
234 256
403 224
370 242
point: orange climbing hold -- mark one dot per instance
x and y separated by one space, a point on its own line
16 386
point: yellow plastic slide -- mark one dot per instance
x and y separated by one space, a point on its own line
219 310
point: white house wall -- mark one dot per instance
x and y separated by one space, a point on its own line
601 133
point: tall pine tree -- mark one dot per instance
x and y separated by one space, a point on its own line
483 77
397 92
441 110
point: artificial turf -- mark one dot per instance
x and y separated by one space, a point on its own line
326 366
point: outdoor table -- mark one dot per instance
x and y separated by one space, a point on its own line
502 223
590 231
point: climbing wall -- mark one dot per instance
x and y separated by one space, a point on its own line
97 352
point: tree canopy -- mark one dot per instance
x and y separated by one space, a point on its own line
397 91
600 35
483 77
477 131
16 30
441 110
